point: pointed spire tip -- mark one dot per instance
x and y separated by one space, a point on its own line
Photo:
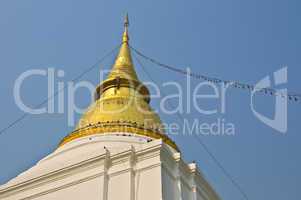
126 20
125 37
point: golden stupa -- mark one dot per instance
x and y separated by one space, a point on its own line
121 104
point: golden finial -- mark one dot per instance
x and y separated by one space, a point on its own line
125 37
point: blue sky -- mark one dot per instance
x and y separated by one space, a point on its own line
235 40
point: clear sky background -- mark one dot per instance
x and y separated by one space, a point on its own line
235 40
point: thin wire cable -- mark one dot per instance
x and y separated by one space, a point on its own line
234 84
57 92
198 139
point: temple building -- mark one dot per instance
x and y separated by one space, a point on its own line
117 151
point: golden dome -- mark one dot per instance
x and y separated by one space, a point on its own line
121 104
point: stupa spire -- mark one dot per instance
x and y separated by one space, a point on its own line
124 67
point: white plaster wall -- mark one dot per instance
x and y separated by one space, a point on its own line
186 191
119 187
148 184
142 172
169 186
200 197
89 190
